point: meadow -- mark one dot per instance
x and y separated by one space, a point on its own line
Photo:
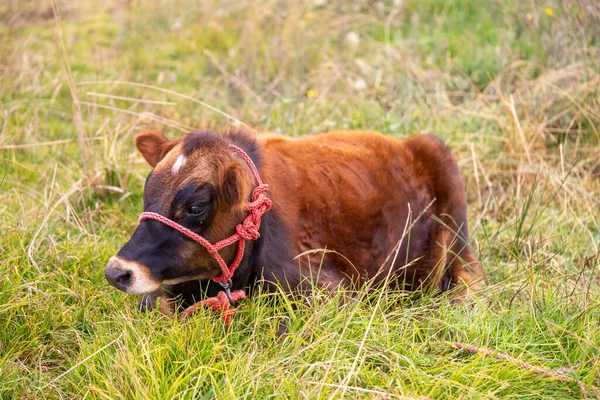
512 86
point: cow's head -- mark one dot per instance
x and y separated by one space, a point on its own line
197 182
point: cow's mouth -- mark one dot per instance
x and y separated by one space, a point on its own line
196 277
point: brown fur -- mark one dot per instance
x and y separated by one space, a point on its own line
350 192
381 207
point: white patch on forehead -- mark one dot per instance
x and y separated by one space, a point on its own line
179 162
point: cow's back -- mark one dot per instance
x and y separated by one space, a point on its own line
358 194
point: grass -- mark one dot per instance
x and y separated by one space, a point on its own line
513 90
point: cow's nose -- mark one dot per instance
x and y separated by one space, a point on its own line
117 275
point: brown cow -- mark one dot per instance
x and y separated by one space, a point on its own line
384 209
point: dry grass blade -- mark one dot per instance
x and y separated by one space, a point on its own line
42 144
133 99
76 188
86 154
86 359
505 357
384 395
174 93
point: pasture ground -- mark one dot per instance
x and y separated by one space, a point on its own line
512 86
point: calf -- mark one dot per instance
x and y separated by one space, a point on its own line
384 210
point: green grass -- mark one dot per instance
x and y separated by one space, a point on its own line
457 67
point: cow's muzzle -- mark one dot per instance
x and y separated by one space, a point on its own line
129 276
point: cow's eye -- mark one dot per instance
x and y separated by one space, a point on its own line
195 210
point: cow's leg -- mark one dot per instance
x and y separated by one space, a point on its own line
439 277
174 298
456 264
159 300
467 274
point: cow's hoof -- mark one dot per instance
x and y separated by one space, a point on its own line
283 329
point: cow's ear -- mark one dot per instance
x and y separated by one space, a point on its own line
152 145
231 183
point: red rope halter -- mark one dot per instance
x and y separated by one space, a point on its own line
247 230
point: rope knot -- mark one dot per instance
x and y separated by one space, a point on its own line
259 199
260 190
248 230
260 204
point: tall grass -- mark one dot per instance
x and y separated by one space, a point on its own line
513 87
